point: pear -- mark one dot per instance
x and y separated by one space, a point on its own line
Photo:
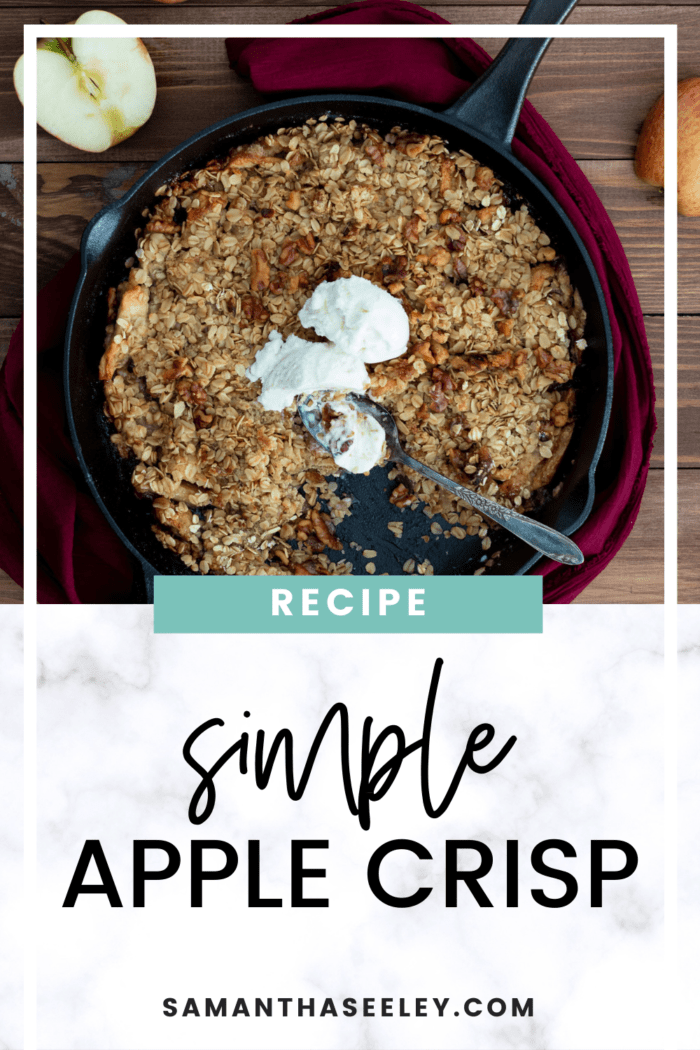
92 93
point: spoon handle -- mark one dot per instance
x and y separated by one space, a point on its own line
545 540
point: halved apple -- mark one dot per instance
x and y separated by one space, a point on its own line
649 155
92 93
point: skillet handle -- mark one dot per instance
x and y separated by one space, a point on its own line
493 103
98 233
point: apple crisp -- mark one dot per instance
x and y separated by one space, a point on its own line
228 253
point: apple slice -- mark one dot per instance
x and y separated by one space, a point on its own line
92 93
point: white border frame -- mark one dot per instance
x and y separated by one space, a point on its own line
669 34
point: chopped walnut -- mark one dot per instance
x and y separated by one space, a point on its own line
254 310
180 367
190 391
460 270
162 226
442 383
249 157
543 357
324 530
458 243
457 458
395 269
483 177
319 202
423 351
401 495
448 216
502 360
376 154
306 244
278 283
292 248
440 352
484 467
560 371
201 419
486 215
413 229
472 364
505 328
507 300
259 270
298 280
288 254
440 258
411 143
433 305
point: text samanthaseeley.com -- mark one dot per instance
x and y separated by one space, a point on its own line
367 1006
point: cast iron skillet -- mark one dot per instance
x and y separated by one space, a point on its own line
483 122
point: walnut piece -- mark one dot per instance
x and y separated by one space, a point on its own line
259 270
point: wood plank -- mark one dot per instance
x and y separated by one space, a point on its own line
7 327
11 230
68 197
688 389
689 266
196 87
135 12
689 392
635 575
636 211
10 592
689 537
655 334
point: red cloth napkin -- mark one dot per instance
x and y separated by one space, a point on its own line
81 559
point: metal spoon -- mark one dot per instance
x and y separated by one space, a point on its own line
548 541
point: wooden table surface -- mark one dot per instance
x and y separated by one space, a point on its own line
594 94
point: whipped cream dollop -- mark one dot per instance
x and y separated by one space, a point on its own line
363 324
294 366
358 317
354 439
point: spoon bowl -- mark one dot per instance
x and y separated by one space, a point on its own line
547 541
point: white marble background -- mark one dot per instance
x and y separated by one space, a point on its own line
11 828
689 826
115 706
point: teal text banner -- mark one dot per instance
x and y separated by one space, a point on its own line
348 605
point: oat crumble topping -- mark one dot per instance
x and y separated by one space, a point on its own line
233 251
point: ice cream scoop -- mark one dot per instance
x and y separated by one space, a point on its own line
547 541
